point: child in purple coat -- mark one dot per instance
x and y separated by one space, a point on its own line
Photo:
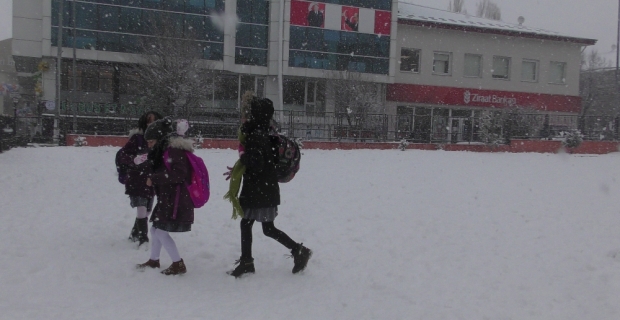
174 211
133 156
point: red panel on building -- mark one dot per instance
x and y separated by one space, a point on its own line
448 96
383 19
350 18
305 13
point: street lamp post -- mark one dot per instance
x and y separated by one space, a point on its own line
15 102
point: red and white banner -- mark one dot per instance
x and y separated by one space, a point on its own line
412 93
339 17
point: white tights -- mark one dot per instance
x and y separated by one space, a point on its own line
161 238
142 213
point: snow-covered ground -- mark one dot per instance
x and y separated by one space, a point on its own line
396 235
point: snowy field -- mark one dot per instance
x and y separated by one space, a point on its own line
396 235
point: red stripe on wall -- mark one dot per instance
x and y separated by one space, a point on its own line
413 93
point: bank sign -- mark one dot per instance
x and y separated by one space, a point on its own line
462 97
469 97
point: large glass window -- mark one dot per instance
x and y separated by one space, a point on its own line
108 18
136 21
410 60
108 41
195 27
88 77
253 33
294 92
130 20
252 57
501 68
155 4
252 36
173 5
226 93
473 66
441 63
557 72
253 11
85 17
529 71
371 4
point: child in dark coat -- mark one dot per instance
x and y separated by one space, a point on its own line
260 193
174 211
133 156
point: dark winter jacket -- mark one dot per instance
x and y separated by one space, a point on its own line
260 183
137 174
170 184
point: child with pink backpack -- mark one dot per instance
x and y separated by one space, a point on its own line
175 178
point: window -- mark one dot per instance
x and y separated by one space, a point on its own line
108 18
253 11
410 60
473 66
252 36
557 73
441 63
130 20
529 71
501 68
85 16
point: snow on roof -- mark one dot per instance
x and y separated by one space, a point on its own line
414 12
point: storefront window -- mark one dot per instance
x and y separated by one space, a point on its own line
226 93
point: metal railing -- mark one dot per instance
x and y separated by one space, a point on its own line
223 123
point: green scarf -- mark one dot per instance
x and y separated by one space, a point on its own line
235 183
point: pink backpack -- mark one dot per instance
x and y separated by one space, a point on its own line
198 188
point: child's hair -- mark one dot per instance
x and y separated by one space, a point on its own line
142 122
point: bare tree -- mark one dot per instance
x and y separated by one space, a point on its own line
173 77
598 91
488 9
358 101
457 6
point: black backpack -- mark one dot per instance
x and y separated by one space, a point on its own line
287 156
121 169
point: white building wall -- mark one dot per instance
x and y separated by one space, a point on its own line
458 43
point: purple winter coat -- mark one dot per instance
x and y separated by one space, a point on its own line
171 183
137 174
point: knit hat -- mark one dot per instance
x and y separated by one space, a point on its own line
261 111
158 129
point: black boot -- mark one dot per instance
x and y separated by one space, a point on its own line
133 236
301 255
143 230
244 266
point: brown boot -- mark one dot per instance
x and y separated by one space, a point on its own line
175 268
149 264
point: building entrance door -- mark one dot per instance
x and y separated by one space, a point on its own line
457 129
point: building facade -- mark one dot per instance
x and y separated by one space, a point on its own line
8 78
421 63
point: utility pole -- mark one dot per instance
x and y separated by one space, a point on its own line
58 72
617 44
73 71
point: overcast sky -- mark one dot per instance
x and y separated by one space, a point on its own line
596 19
